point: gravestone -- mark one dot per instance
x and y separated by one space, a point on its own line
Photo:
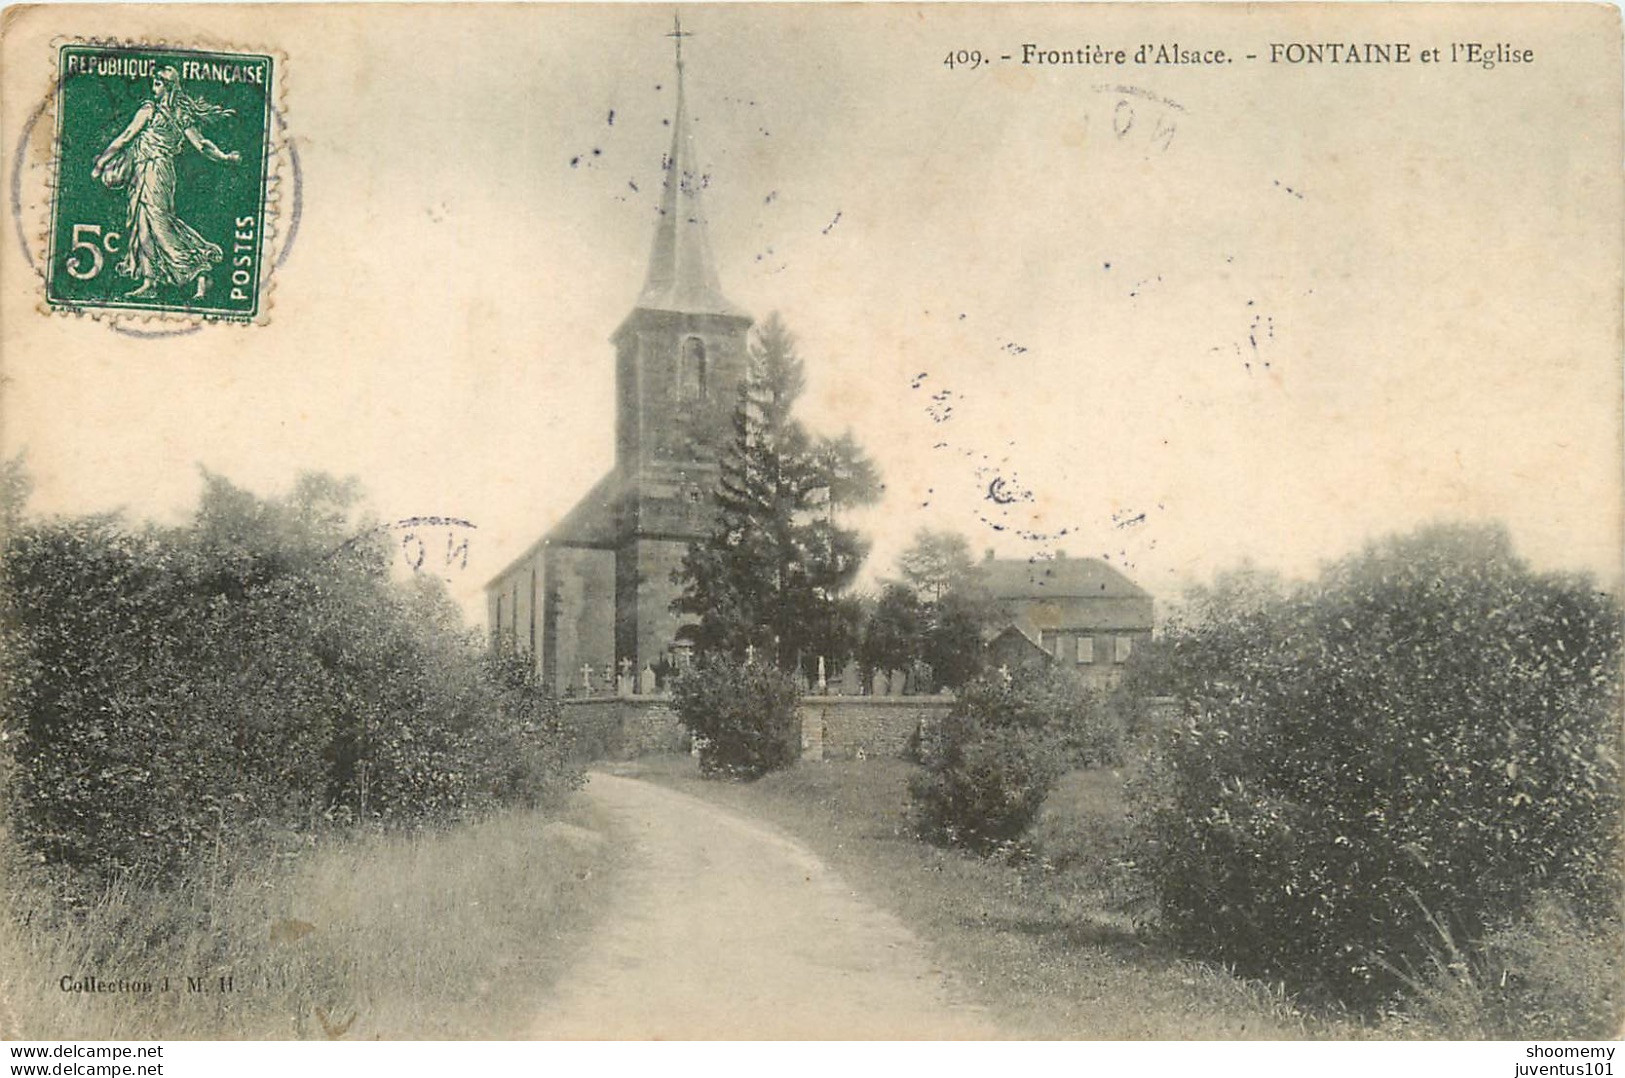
648 682
851 682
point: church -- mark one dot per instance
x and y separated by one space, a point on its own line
590 600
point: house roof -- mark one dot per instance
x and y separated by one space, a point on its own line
998 629
1018 639
1057 578
592 521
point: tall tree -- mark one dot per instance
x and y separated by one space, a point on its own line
936 563
892 639
954 604
953 646
770 573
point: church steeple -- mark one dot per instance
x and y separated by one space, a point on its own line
682 276
680 357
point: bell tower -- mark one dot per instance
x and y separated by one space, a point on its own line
679 360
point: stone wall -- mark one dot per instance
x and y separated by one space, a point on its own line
832 727
848 727
624 727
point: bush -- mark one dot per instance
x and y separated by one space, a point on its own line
255 670
990 762
744 716
1137 702
1427 736
1090 734
527 751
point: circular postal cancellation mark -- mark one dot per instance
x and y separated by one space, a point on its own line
165 172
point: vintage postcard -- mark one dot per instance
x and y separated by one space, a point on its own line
1086 522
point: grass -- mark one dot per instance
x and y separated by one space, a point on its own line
1545 977
448 934
1050 947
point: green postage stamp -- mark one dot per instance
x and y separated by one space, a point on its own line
161 164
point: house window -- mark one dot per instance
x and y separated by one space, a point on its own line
1086 650
1124 645
1049 641
691 374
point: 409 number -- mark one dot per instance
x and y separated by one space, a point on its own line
971 58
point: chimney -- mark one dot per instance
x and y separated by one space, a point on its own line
1060 555
988 554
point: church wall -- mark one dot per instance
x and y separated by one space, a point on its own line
582 614
501 599
524 600
514 608
532 629
646 626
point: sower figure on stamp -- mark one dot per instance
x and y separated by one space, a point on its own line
160 247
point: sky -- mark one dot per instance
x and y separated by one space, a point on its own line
1180 317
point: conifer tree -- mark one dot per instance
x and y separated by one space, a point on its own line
770 573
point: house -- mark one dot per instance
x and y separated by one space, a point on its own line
1081 612
1010 649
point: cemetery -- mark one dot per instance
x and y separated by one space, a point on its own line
631 717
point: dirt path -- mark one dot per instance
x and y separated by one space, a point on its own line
724 928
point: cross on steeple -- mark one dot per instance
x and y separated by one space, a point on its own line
682 277
677 34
